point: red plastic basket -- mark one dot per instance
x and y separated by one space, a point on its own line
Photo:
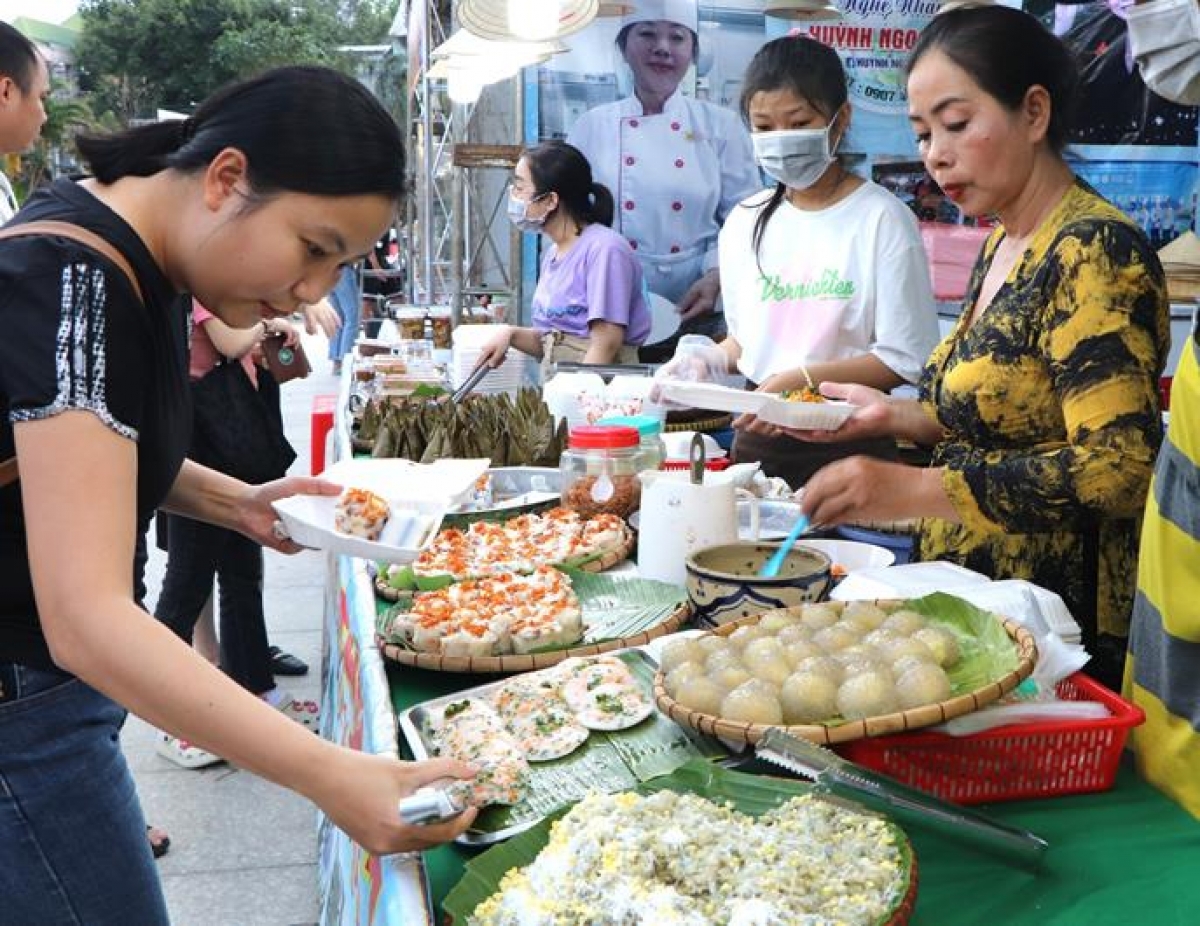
1011 763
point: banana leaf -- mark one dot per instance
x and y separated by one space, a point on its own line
750 794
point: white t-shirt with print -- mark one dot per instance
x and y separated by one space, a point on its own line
833 284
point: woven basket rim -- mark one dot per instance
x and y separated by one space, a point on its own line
526 662
926 715
605 560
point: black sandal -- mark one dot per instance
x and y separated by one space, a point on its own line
159 848
286 664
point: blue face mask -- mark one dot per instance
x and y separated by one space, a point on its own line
518 214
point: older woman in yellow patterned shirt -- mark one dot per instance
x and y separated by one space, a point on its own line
1041 407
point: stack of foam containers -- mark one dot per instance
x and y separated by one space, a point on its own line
518 371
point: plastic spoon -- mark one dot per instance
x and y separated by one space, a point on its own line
772 566
602 488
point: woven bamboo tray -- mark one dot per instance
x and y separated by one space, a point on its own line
528 661
605 560
883 725
718 423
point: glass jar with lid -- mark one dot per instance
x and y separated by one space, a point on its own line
649 431
599 470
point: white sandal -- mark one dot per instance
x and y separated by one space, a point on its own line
183 753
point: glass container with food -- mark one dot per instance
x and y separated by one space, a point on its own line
599 470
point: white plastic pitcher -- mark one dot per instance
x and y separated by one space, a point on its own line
678 516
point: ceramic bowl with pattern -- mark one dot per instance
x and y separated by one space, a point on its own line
723 583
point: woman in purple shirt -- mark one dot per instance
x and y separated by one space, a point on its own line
590 303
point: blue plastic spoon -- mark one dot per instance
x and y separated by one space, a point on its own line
772 566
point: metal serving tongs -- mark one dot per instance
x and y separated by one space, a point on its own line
846 779
470 383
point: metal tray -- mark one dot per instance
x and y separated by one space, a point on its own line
608 762
515 490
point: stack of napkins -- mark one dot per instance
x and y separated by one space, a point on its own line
1034 607
1181 261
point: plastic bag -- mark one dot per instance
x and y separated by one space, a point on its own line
698 359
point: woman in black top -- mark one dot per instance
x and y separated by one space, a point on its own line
239 208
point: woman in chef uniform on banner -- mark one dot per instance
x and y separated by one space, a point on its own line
676 166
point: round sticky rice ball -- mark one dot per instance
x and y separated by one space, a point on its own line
808 697
904 623
773 669
922 684
821 665
820 616
904 663
865 613
880 637
836 637
677 652
752 702
855 662
701 694
941 642
712 642
744 636
775 621
867 694
793 634
766 647
800 649
731 676
904 646
676 678
721 658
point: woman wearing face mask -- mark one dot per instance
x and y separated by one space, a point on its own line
676 165
589 304
824 276
1041 408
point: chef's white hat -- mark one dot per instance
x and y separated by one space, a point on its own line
684 12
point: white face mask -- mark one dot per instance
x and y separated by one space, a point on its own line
1167 48
794 157
518 213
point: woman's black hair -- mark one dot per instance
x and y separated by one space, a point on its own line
18 57
1006 51
302 130
557 167
809 69
623 36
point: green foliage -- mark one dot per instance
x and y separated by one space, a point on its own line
64 118
136 56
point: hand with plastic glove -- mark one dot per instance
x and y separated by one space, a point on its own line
698 359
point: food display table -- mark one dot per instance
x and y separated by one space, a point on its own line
1126 856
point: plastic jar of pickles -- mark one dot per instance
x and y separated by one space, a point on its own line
410 320
599 470
440 326
649 431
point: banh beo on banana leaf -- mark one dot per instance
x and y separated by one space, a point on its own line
511 431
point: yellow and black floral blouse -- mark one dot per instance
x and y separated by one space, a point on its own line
1051 412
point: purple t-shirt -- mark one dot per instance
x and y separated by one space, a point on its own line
598 279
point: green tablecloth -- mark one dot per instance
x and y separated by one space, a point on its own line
1128 856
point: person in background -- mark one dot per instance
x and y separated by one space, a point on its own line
675 165
199 553
235 206
346 299
1042 406
824 276
1164 36
589 305
1163 663
24 88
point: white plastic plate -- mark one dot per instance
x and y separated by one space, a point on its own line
419 495
713 396
812 416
